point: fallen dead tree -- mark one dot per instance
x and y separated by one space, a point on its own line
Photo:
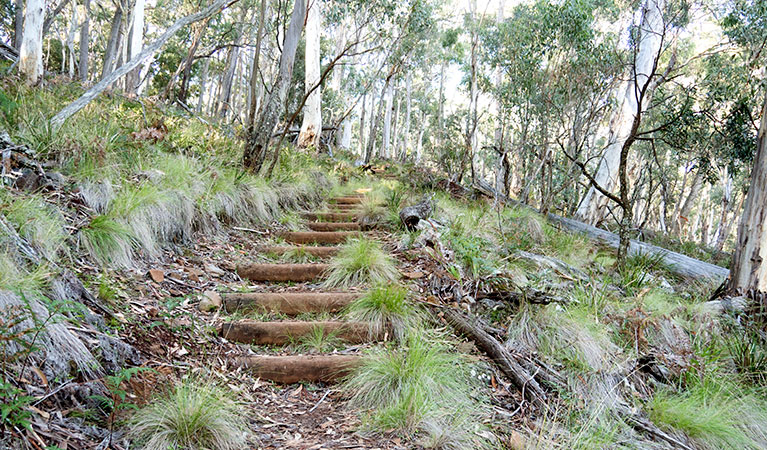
678 263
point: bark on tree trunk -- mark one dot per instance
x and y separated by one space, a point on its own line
311 126
71 42
18 24
203 84
386 143
592 208
85 34
31 49
133 79
748 273
187 72
408 112
375 121
257 145
255 69
114 35
225 95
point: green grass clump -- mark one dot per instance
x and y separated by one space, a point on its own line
107 241
413 387
39 223
385 307
318 341
361 261
193 415
715 413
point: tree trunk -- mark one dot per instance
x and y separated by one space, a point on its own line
203 84
226 82
362 125
389 104
689 202
133 79
395 130
377 120
255 70
408 112
747 271
31 50
18 24
147 52
71 42
311 126
189 62
441 107
85 35
592 208
114 35
257 145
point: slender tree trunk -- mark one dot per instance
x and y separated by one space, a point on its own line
31 51
85 35
114 35
408 113
226 81
395 130
374 122
362 124
71 42
133 79
440 106
311 126
18 24
592 208
203 84
189 62
689 202
419 143
747 273
257 146
255 70
386 143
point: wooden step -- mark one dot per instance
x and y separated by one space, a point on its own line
281 333
282 272
329 216
333 226
295 368
290 303
320 252
348 200
318 237
340 207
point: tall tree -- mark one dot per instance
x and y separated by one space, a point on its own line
85 35
136 44
257 144
31 51
311 126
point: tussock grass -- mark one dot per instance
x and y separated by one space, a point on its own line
318 341
193 415
715 413
417 387
107 241
39 223
361 261
386 307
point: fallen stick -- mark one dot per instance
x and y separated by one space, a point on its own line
288 303
292 369
281 333
502 357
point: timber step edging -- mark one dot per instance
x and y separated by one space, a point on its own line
333 226
295 368
330 216
282 272
289 303
319 237
319 252
286 332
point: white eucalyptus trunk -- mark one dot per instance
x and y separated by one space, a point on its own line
71 41
592 208
311 126
31 51
408 112
388 100
133 80
85 36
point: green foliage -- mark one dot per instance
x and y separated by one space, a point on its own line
193 415
386 307
361 261
14 411
318 341
639 269
107 241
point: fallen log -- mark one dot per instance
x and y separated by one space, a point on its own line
288 302
679 264
320 252
292 369
333 226
281 333
500 355
318 237
282 272
411 215
329 216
